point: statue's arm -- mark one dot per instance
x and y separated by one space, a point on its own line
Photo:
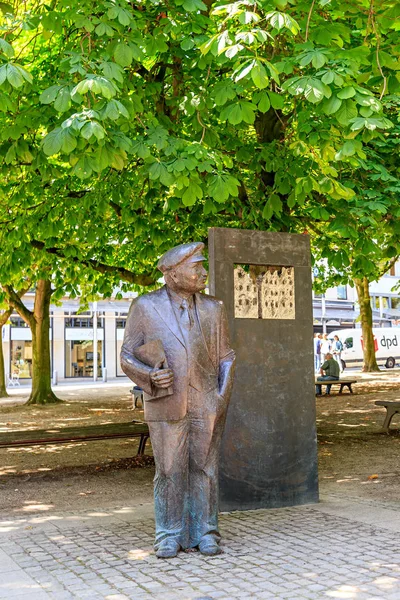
133 338
226 357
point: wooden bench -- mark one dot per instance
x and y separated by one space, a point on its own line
63 435
342 382
392 407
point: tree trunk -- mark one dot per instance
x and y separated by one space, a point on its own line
3 320
40 325
3 390
364 301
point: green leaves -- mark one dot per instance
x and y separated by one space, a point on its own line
346 92
220 187
193 5
280 20
312 88
259 75
63 100
317 57
370 123
272 206
182 102
59 140
123 55
346 112
97 85
240 112
192 193
93 129
15 75
158 170
331 105
224 91
6 48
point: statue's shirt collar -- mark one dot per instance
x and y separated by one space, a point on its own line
177 300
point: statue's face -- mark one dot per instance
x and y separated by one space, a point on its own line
189 277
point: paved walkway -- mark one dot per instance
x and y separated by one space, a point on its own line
337 549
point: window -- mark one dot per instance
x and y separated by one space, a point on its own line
385 301
342 292
120 323
120 320
83 320
79 358
21 358
17 321
348 343
396 302
375 302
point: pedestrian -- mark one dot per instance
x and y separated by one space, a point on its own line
317 351
325 347
329 372
337 348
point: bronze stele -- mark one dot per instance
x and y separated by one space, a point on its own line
176 347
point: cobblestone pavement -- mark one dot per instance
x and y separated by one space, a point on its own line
337 549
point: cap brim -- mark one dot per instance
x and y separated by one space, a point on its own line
196 258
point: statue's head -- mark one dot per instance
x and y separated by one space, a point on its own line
183 268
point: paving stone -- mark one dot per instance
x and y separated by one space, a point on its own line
296 553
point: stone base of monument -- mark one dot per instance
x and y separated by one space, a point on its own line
269 449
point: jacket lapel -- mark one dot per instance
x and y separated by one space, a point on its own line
163 307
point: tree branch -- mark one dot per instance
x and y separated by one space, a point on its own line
126 275
14 299
5 316
309 19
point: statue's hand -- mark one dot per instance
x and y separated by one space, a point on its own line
162 378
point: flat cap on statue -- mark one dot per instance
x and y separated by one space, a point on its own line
174 257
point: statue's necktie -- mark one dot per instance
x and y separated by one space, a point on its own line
186 319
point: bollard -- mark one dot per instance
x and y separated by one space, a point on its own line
104 375
55 378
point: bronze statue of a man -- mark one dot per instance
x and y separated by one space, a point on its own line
176 347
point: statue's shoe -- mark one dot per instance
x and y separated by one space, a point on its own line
209 547
168 548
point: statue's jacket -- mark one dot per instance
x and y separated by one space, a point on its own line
152 317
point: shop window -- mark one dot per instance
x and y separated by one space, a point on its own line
120 323
21 359
79 358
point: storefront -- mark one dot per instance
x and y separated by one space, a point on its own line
80 360
120 323
19 338
73 337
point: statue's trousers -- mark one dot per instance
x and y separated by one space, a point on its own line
186 481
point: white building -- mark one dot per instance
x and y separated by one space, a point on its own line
338 307
72 339
72 334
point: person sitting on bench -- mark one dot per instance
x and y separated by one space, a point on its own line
332 372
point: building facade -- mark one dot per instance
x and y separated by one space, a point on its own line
74 335
338 307
74 338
